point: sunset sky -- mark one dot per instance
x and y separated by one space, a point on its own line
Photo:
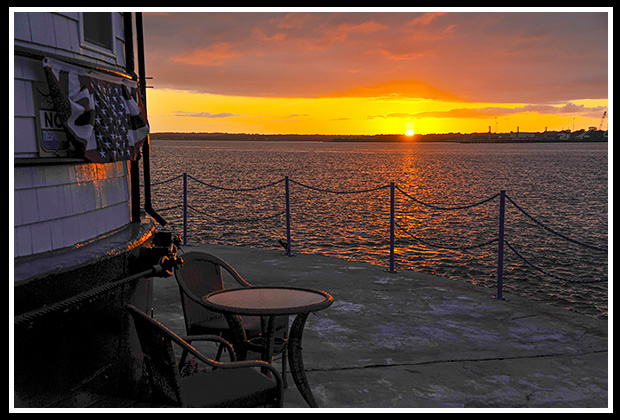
373 71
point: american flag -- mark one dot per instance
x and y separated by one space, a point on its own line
101 113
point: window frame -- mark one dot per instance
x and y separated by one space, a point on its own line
96 47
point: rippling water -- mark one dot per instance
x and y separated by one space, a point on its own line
563 186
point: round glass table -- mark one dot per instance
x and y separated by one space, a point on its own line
271 302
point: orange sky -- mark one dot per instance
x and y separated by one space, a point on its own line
359 72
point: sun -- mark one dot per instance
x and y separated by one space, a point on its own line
409 129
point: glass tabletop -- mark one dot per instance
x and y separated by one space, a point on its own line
267 300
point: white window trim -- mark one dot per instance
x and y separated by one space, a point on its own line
97 48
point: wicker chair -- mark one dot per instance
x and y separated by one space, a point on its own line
201 274
234 384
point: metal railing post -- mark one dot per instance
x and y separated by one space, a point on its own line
500 246
392 222
288 217
184 208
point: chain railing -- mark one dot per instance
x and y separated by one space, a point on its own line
393 188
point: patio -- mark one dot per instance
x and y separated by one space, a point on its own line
411 340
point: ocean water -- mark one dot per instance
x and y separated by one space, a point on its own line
563 186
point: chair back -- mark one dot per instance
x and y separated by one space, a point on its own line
160 361
199 275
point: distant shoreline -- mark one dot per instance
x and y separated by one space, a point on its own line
546 137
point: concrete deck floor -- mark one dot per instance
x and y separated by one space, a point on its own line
409 340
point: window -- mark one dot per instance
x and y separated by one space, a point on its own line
98 29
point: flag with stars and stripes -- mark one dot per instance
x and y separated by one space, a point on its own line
101 112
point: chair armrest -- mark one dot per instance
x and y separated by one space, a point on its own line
214 338
231 365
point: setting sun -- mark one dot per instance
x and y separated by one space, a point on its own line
409 133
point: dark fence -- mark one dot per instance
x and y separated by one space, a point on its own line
393 189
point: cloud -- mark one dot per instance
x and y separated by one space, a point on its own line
542 57
422 28
213 55
399 89
291 20
206 114
492 112
425 19
364 27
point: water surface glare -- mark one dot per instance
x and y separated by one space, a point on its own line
563 186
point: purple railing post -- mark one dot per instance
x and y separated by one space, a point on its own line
500 246
184 208
392 222
288 217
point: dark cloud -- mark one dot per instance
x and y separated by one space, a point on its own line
496 111
205 114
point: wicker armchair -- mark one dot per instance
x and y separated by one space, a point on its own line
234 384
201 274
